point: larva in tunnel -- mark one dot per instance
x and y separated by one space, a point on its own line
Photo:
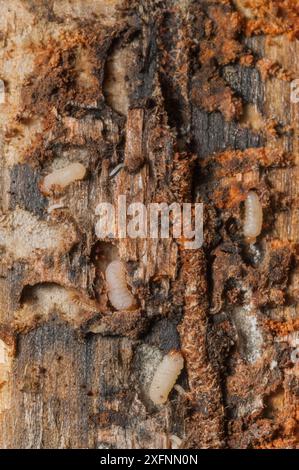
118 293
166 376
253 220
60 179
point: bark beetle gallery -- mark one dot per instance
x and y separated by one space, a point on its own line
174 101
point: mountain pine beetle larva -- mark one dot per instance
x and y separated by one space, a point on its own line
253 217
175 441
61 178
166 376
118 293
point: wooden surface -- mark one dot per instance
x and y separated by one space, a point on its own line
177 92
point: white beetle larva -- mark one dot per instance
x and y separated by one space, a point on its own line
61 178
166 376
119 295
253 217
176 442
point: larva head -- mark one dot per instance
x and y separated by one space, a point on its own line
250 240
176 357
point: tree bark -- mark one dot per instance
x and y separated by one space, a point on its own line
192 101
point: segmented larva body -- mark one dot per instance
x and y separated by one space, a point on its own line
118 293
61 178
176 442
253 217
86 304
165 377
